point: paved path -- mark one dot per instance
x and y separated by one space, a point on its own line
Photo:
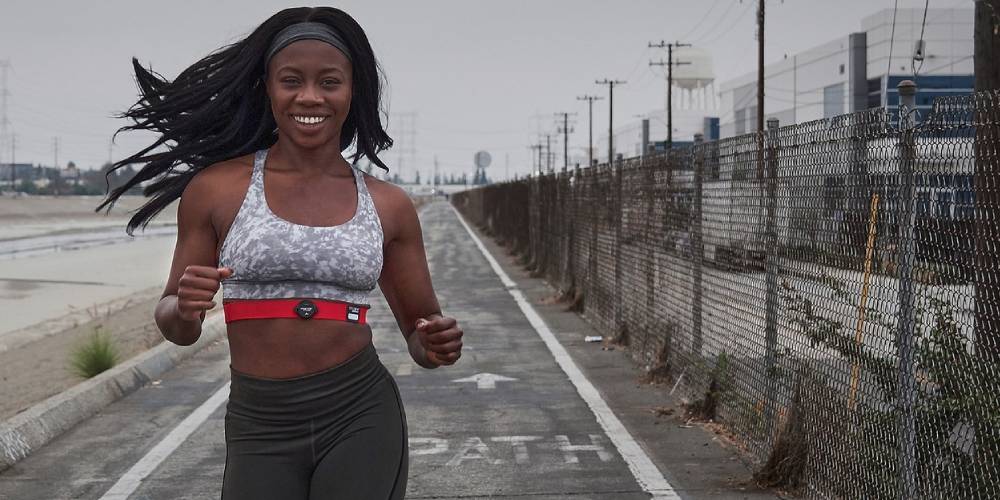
505 422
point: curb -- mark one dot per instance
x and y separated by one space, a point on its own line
33 428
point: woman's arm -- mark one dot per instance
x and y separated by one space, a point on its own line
432 338
193 278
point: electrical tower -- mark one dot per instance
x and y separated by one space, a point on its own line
4 121
404 128
537 164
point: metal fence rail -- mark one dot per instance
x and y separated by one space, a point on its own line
819 299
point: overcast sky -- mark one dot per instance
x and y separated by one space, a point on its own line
477 74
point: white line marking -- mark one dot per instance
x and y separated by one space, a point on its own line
485 380
646 474
404 369
131 480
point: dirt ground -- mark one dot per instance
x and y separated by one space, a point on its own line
20 209
36 371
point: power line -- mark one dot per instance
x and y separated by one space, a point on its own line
714 37
956 61
892 37
918 51
702 21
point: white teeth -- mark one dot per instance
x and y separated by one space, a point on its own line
309 120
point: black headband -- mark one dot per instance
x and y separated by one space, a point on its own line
306 31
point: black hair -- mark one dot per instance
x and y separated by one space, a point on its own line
217 109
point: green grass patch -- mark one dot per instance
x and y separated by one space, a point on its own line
95 355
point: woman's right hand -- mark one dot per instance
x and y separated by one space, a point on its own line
196 288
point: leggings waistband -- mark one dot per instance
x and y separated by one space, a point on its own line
307 395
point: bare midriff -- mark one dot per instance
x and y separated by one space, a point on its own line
290 347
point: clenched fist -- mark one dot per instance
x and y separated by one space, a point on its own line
196 289
441 338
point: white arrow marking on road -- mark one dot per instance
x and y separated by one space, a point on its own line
485 380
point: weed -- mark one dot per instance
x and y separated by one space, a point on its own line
97 354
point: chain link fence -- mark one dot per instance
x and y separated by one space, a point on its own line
826 290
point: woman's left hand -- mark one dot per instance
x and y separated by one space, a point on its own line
441 339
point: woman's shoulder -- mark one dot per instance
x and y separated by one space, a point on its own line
226 171
221 177
219 187
393 204
387 194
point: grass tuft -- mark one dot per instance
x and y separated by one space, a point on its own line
95 355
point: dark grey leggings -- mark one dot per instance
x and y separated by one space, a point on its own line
340 433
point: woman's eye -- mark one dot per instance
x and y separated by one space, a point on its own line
331 82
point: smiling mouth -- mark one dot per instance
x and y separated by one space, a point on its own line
309 120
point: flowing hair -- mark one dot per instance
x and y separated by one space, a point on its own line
217 109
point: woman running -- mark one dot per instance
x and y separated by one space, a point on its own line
251 139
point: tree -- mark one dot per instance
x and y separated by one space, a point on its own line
27 186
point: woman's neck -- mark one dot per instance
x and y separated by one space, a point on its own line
308 161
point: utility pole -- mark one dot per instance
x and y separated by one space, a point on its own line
548 152
760 66
987 70
565 130
760 89
590 119
670 83
987 229
611 109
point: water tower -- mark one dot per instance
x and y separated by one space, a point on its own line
696 80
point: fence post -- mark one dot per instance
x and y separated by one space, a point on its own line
771 267
697 243
574 186
649 192
907 386
594 221
619 220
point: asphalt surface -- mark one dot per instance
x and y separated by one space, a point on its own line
505 422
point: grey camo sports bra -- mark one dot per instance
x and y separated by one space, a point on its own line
275 258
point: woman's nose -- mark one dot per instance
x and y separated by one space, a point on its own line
309 94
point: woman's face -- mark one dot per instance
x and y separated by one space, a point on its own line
309 85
